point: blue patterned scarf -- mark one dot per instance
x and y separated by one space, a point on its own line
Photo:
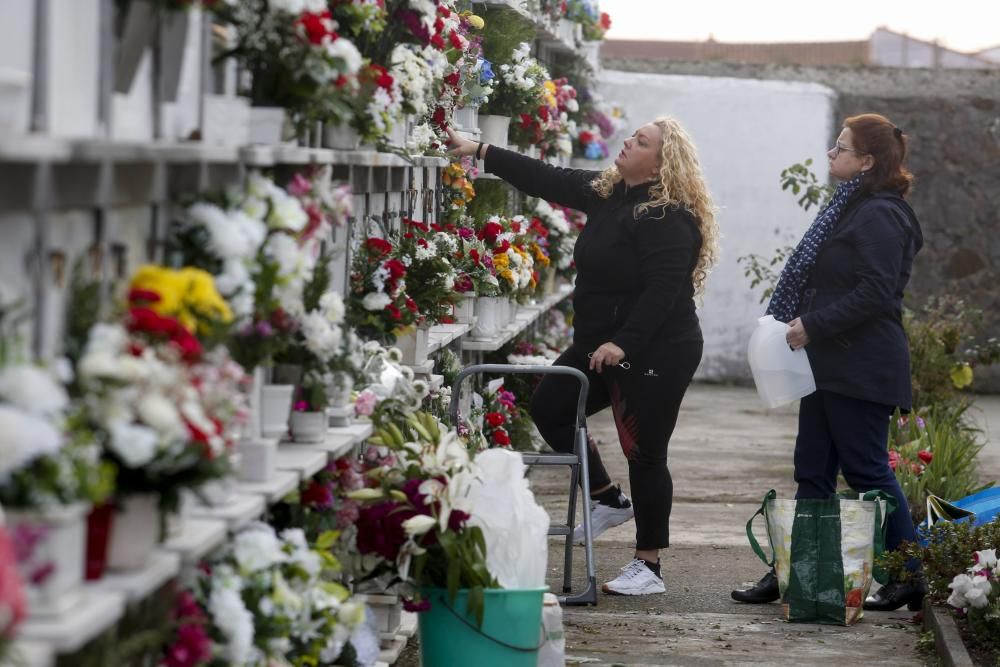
785 299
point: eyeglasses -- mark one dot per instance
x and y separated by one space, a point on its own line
838 149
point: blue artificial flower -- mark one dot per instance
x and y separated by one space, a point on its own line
486 72
593 151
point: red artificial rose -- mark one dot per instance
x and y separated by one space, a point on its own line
411 305
925 456
454 78
456 43
605 20
143 295
438 24
543 113
443 11
586 137
494 419
317 495
474 254
396 269
490 232
314 27
437 42
380 529
501 438
394 312
526 121
378 246
504 247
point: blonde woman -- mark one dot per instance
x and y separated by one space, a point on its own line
644 254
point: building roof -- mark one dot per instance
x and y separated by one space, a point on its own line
802 53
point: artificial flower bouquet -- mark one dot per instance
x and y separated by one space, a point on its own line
48 456
588 14
556 236
476 274
494 412
518 85
976 592
415 521
457 182
378 304
296 57
598 123
269 601
165 410
427 254
514 264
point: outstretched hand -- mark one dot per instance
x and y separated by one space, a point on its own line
460 146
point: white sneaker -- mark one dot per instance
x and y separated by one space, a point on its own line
603 517
635 579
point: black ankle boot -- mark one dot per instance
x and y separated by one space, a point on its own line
765 590
894 595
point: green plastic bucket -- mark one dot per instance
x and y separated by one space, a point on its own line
510 636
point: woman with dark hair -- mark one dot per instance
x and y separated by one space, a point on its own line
841 294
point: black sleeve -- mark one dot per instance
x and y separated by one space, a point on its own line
567 187
666 248
878 257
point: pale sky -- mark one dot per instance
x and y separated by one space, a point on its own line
964 25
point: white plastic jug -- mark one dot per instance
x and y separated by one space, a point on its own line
781 375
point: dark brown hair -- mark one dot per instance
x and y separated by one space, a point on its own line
874 135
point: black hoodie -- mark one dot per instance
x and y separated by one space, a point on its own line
634 272
852 304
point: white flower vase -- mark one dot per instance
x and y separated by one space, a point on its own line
413 345
465 309
15 100
308 427
467 119
532 152
342 137
218 492
549 287
267 125
258 458
135 532
340 389
53 571
387 610
489 314
494 130
592 54
275 407
514 308
226 120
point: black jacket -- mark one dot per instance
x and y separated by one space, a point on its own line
852 304
634 274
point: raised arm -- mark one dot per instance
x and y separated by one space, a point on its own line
567 187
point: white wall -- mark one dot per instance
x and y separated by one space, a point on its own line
746 131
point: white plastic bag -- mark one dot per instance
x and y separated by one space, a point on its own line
514 525
781 374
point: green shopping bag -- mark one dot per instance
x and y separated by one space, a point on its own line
823 552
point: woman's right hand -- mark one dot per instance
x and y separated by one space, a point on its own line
460 146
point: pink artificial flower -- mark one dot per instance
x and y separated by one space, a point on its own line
301 406
13 605
300 186
364 406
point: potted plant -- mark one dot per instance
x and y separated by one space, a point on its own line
165 411
297 62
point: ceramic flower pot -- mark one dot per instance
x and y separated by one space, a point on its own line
467 118
340 389
465 309
258 457
413 345
275 407
308 427
267 125
494 129
342 137
135 532
53 542
490 316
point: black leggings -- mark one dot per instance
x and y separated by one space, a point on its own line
644 400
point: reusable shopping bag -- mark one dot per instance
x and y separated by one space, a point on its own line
823 552
979 508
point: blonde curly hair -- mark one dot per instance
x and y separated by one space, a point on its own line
681 184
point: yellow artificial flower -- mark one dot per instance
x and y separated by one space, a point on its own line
188 294
501 261
507 275
475 21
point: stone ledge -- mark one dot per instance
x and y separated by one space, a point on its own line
947 641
